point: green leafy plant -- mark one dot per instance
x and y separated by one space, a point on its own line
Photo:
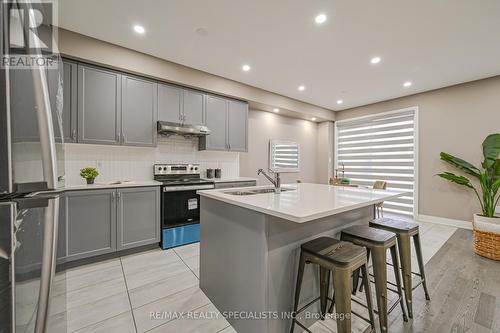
89 173
488 176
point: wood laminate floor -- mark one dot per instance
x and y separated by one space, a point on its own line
464 288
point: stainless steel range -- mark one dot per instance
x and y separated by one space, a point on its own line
180 205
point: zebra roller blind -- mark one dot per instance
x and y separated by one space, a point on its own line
381 147
284 156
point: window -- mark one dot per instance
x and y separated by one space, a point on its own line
381 147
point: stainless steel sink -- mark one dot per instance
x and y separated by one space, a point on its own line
270 190
239 192
257 191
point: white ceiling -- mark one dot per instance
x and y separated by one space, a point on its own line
431 43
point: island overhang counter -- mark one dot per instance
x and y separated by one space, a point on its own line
249 246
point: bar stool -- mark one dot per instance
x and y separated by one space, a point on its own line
404 231
342 259
378 242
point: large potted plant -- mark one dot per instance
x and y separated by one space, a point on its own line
486 224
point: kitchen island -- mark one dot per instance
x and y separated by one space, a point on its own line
250 246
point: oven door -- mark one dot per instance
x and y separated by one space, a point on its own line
180 208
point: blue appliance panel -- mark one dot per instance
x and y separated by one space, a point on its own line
173 237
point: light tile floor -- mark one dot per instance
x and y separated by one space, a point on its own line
136 293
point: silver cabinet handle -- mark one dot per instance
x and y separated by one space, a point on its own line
119 195
73 134
113 194
117 137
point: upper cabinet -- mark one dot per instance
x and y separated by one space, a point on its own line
180 105
216 121
169 103
193 107
69 110
103 106
139 111
99 105
237 126
227 121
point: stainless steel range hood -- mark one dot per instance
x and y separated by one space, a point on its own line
168 128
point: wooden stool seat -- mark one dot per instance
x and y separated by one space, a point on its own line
372 235
337 252
396 226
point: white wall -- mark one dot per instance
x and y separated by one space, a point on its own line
136 163
264 126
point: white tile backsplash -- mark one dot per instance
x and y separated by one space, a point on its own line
136 163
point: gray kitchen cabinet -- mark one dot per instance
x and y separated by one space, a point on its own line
230 184
61 230
68 115
170 103
193 107
216 121
139 111
95 222
138 216
237 127
90 223
99 105
228 124
22 98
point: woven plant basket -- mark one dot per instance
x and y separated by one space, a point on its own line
487 243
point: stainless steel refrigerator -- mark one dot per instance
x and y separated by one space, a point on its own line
32 288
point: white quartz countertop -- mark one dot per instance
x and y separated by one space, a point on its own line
233 179
306 202
98 185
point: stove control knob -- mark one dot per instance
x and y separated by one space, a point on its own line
196 168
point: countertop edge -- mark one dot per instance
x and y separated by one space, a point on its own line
108 186
293 218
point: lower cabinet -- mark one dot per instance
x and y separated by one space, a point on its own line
138 217
103 221
90 223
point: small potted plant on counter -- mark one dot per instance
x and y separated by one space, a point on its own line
486 224
89 174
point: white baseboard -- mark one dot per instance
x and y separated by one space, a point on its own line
445 221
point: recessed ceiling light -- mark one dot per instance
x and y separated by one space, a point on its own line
139 29
301 88
321 18
407 84
276 110
375 60
313 118
340 101
246 68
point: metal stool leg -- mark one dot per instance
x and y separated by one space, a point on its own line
368 294
418 250
300 275
380 273
342 286
405 256
367 264
395 264
324 283
355 280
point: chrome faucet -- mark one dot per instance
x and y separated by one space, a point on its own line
276 181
